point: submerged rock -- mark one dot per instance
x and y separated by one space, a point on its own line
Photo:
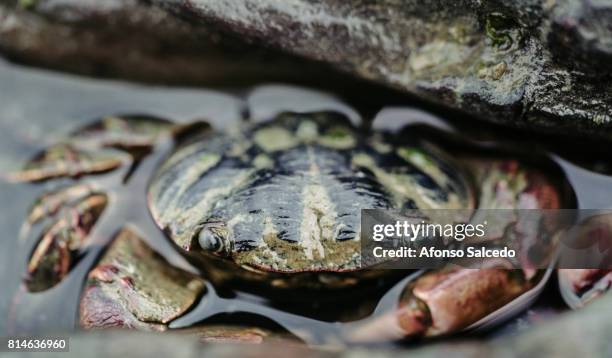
527 62
585 333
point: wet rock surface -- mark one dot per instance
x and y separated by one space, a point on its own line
495 59
133 40
585 333
581 31
527 63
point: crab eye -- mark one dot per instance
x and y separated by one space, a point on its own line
213 239
209 241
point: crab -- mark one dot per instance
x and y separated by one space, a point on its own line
270 206
280 202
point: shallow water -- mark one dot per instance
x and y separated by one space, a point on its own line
38 107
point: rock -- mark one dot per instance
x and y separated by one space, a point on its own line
495 59
237 334
581 32
139 344
133 40
525 63
584 333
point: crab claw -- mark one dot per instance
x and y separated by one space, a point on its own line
585 284
454 298
445 301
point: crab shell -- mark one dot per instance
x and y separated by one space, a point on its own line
282 199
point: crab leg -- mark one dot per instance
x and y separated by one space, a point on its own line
101 147
446 301
54 254
50 203
586 284
67 161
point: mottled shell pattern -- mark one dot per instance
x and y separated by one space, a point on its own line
286 195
